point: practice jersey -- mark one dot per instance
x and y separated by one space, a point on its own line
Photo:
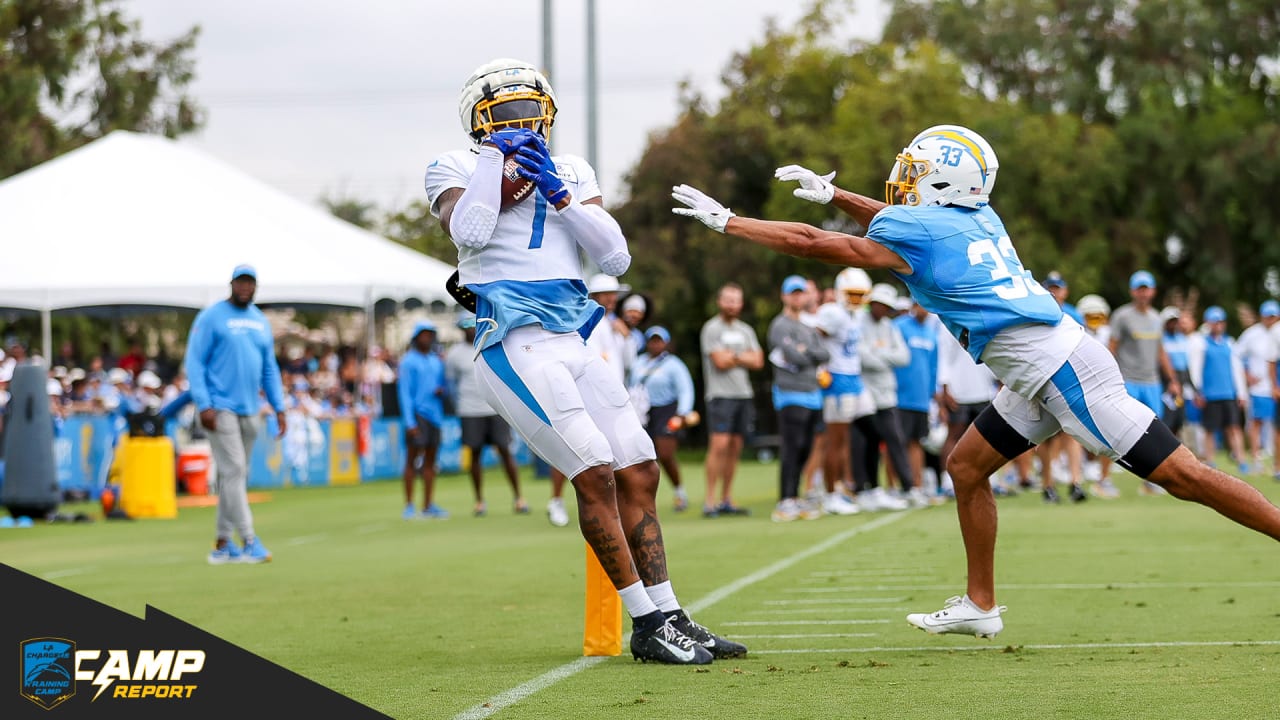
529 272
964 270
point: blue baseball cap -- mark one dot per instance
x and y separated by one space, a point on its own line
1142 278
423 326
1215 313
1270 308
1054 280
659 332
244 271
794 283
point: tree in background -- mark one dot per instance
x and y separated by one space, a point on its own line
1187 91
72 71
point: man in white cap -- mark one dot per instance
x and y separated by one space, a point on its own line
611 338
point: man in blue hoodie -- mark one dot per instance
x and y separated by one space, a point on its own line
422 387
230 358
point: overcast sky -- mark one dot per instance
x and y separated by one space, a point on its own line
345 99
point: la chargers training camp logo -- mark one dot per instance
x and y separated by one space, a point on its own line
48 671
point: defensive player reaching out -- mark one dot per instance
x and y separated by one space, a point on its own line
521 263
938 234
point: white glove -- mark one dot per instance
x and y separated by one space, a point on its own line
702 207
813 187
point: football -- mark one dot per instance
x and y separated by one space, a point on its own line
515 189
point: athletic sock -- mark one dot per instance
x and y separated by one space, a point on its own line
637 600
663 596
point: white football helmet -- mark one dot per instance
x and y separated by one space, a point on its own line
944 165
1093 305
852 286
506 93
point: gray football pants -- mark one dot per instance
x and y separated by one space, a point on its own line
232 444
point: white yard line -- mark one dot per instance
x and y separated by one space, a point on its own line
828 609
520 692
834 601
795 636
1052 586
307 539
69 572
942 647
772 623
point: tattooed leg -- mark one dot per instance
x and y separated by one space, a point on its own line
601 527
637 506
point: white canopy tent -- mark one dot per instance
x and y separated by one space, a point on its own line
141 220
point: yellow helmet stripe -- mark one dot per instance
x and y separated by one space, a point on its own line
971 145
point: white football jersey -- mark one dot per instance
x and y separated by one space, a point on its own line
530 242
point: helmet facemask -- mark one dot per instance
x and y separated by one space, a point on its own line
904 176
514 107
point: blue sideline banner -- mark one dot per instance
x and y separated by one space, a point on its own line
306 456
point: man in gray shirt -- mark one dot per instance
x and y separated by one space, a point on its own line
481 425
729 350
1136 331
795 352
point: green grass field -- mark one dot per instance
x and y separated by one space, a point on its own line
1139 607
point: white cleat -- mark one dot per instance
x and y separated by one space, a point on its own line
961 617
837 504
556 512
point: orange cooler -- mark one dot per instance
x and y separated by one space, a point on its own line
193 469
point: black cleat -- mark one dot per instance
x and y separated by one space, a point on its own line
716 645
1078 494
666 644
1051 495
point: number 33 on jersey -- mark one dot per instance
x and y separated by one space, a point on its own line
964 268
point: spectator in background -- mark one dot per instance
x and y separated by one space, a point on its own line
1271 318
1221 391
1136 329
66 356
422 390
1258 351
1176 407
133 361
729 350
17 353
230 357
481 424
635 312
844 401
611 337
917 384
882 350
664 381
1057 287
378 373
795 352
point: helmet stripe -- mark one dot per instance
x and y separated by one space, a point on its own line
969 144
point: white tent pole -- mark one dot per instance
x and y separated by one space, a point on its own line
369 329
46 330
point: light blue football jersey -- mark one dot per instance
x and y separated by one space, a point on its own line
964 270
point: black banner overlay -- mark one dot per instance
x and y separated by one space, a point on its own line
69 656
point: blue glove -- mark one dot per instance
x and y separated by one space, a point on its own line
509 140
541 170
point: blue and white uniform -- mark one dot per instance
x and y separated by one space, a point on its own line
533 314
965 270
846 399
